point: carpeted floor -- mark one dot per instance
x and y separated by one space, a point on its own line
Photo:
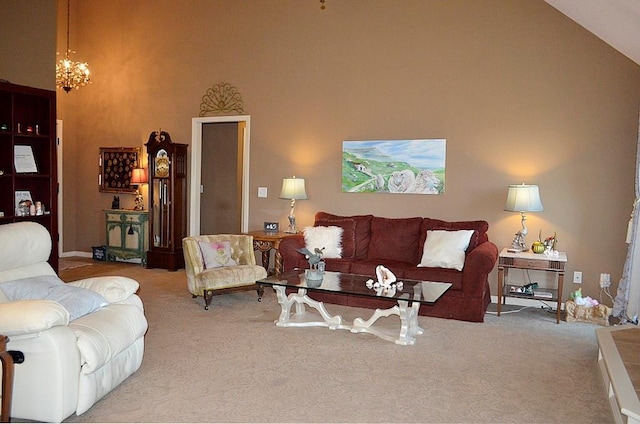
232 364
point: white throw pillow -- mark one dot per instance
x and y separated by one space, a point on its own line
445 249
216 254
328 237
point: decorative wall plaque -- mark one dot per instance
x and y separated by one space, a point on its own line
222 98
116 167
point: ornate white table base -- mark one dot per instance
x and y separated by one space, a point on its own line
408 314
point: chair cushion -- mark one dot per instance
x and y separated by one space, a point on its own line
113 288
77 300
234 276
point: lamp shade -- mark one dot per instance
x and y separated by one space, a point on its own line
139 176
293 189
523 198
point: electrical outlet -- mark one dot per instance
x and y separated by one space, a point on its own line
577 277
605 280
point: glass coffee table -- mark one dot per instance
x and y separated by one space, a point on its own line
408 299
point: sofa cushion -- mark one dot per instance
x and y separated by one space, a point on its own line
216 254
481 228
338 265
368 267
442 275
446 249
76 300
395 239
356 234
327 238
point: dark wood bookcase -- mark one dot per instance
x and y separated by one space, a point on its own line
28 124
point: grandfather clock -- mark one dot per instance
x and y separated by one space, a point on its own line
168 201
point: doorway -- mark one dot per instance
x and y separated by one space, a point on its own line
219 196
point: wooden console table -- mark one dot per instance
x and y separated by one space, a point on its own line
265 242
536 262
127 234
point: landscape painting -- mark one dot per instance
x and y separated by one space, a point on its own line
394 166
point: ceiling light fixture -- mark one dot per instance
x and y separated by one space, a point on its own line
71 74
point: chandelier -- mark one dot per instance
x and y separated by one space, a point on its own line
71 74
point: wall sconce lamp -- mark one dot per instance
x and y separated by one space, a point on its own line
522 198
138 177
293 189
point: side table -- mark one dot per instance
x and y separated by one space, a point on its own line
534 262
265 242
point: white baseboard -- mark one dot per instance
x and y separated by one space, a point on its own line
76 253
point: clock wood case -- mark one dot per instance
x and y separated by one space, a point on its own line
168 200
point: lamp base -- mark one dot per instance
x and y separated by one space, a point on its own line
292 226
518 244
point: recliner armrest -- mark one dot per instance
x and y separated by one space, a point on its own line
31 316
113 289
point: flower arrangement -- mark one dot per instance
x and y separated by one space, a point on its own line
551 242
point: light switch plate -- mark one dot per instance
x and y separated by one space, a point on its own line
262 192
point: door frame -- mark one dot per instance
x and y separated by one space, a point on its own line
196 169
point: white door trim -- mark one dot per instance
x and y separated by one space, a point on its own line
60 185
196 169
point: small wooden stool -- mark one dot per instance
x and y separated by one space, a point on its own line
7 380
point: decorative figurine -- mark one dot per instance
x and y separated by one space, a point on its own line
316 264
115 204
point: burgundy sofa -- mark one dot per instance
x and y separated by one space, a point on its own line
397 243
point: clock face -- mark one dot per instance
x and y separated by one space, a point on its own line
162 166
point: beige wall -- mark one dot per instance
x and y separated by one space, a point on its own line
520 92
28 43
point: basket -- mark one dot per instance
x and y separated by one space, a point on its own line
99 253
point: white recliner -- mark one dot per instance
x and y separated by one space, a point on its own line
68 365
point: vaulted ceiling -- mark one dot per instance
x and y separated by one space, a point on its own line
616 22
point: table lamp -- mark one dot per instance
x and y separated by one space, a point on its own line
293 189
139 176
522 198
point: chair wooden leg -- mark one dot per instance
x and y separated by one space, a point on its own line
260 292
7 380
208 295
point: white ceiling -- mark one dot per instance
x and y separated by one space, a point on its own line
617 22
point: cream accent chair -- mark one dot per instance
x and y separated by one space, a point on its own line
207 282
68 364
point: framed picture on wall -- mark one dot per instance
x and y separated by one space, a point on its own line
394 166
116 167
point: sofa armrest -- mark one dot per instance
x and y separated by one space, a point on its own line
113 289
477 266
291 258
31 316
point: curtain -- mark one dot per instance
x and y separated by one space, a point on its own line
627 301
